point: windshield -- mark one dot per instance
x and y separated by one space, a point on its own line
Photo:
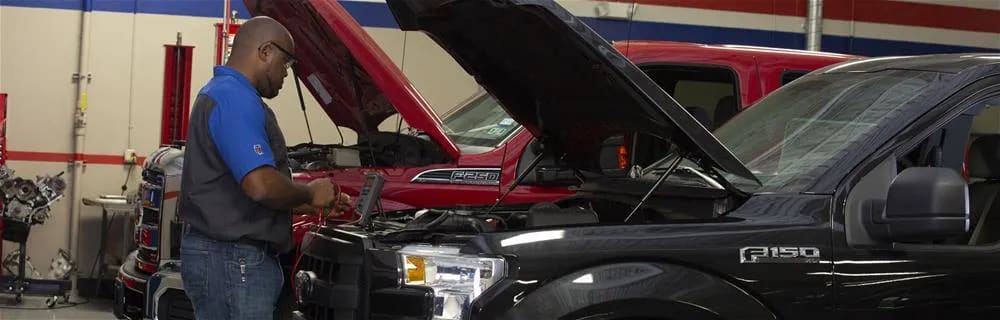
479 125
791 137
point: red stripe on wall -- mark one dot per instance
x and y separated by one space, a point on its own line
876 11
778 7
39 156
170 195
914 14
67 157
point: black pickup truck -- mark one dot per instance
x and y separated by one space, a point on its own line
864 190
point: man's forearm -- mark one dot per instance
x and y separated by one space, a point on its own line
286 194
274 190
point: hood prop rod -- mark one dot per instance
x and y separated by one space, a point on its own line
520 177
531 166
302 102
670 169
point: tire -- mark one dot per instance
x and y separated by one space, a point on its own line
175 305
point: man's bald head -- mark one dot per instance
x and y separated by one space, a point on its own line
261 49
258 31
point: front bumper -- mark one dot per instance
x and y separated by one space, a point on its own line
130 291
355 277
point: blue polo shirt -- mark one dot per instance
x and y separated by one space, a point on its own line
231 132
237 123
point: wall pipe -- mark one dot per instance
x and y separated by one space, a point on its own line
814 25
82 78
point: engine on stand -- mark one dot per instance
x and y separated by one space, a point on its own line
27 203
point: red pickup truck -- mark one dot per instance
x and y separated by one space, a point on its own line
473 154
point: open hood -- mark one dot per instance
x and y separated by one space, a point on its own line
354 81
560 79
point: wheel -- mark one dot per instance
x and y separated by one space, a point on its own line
18 299
51 301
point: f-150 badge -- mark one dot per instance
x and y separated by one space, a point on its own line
779 255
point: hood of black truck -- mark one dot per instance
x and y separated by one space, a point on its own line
557 77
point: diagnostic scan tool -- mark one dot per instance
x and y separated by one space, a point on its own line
369 197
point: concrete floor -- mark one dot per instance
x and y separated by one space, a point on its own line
93 310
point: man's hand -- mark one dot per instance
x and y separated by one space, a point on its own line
324 193
343 203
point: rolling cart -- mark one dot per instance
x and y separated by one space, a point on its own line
19 284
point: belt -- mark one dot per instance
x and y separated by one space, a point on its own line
266 246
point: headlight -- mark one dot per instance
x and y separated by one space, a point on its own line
456 279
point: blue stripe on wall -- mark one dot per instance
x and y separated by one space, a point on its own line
48 4
198 8
373 14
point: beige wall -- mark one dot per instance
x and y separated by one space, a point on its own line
36 75
39 51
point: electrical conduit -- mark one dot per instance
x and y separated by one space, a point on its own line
814 25
79 133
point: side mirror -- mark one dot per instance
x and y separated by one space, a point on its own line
614 156
924 203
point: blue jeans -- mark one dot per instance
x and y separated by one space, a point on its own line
229 280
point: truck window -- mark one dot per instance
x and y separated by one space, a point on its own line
708 92
969 144
479 125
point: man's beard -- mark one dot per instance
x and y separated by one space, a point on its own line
269 92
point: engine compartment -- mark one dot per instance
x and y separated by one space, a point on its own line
378 149
583 209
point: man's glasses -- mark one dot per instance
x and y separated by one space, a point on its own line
290 59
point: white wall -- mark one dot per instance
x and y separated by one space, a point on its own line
39 51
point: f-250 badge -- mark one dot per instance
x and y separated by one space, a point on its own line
779 255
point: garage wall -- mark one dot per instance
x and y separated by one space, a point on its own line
39 39
125 96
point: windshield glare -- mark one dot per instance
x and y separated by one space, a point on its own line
791 137
479 125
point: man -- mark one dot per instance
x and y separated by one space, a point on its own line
236 191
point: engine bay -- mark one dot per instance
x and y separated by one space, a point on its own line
580 210
378 149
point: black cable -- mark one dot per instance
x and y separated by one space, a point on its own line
127 176
444 216
341 133
302 103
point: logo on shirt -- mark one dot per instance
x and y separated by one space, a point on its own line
258 149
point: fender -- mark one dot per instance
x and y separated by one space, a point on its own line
639 289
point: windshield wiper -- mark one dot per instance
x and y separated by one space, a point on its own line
670 169
711 181
706 173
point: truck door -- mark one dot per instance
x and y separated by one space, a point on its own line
954 277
